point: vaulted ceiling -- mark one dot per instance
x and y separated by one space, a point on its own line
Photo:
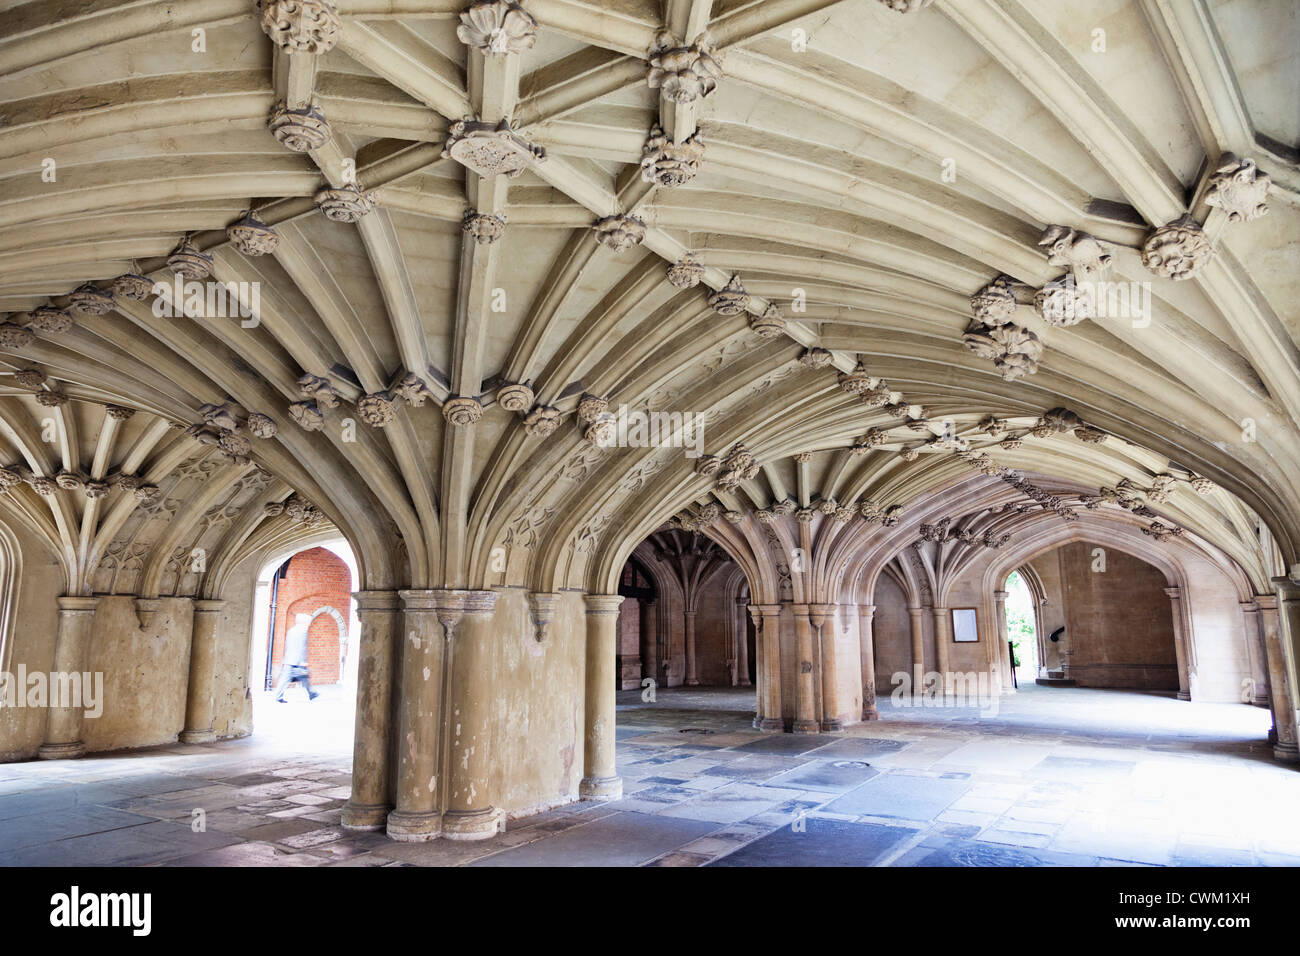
818 226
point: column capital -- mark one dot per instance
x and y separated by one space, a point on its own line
866 610
1288 590
603 603
1000 595
208 605
1266 602
1174 593
376 600
1249 607
77 604
916 611
767 610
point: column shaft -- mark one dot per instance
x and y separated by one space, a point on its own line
600 780
823 620
1285 627
1006 664
691 679
867 654
381 620
1256 653
1180 642
805 718
203 671
428 623
71 656
767 625
742 643
942 637
918 651
468 815
649 640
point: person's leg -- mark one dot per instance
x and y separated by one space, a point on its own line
305 677
286 677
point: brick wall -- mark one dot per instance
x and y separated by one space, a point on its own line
316 578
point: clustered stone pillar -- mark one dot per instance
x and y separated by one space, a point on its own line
767 627
1282 625
742 642
600 781
203 671
691 679
71 653
918 651
823 622
380 619
942 635
1180 643
1256 652
805 716
469 723
428 623
650 639
1006 666
867 650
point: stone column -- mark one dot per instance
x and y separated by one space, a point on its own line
1256 653
918 652
650 640
600 781
203 672
468 815
767 646
1180 642
867 653
823 621
805 716
1284 633
742 643
942 637
1006 665
71 656
428 621
691 679
380 619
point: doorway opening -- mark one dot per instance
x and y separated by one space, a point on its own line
1022 629
305 617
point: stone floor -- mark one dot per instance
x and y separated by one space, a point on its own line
1059 776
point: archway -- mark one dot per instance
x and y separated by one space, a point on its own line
312 587
1022 628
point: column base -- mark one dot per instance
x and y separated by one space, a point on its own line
1261 700
871 714
692 682
472 824
769 724
745 683
601 788
197 736
66 751
364 817
832 724
1184 695
420 826
805 727
1286 752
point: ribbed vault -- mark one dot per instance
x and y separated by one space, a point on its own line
774 219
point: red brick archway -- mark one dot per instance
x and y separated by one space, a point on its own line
315 581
